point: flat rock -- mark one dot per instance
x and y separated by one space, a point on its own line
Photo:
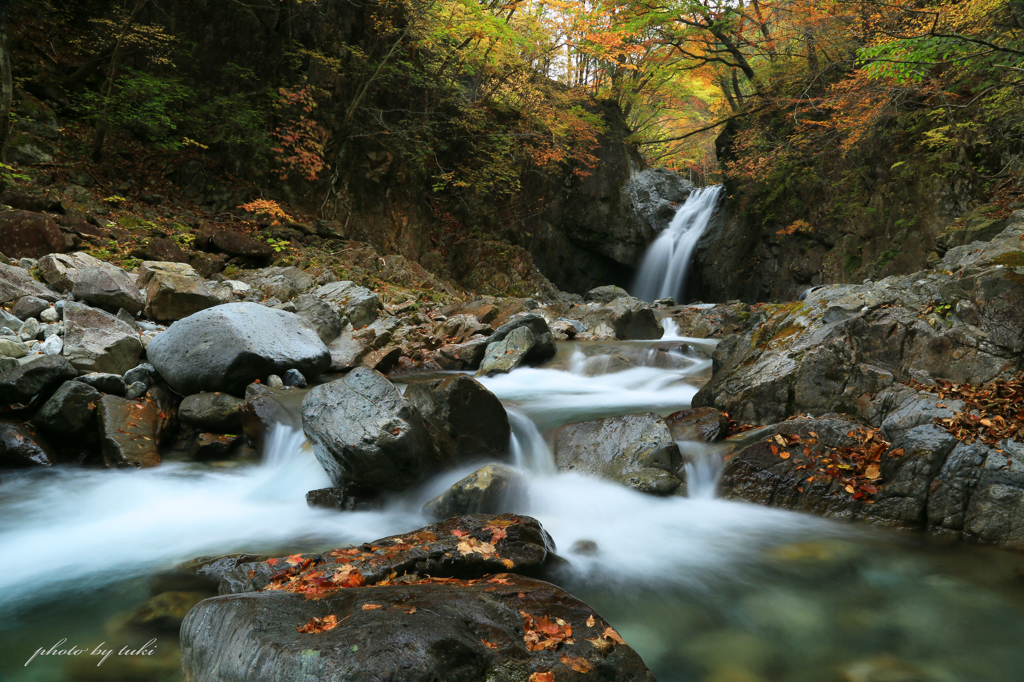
209 446
231 242
162 250
227 347
96 341
461 356
108 288
104 382
173 291
624 318
635 450
129 432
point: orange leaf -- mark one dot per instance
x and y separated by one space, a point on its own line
371 607
489 645
317 625
590 621
542 677
579 664
784 455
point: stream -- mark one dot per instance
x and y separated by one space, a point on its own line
704 589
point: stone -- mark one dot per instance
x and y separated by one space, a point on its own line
283 284
359 304
493 489
17 283
461 356
165 611
260 414
128 319
544 341
25 234
703 424
13 348
50 315
21 446
96 341
29 306
606 294
382 360
209 446
218 412
207 264
173 291
129 432
53 345
511 352
293 377
231 242
30 329
624 318
142 372
362 431
60 270
7 363
349 498
135 390
229 346
320 315
108 288
161 250
466 422
40 377
635 450
274 381
70 411
104 382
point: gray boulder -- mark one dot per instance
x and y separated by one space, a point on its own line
606 294
227 347
323 318
70 411
96 341
173 290
29 306
11 347
461 356
104 382
466 421
493 489
41 376
217 412
363 432
636 450
359 304
17 283
544 341
511 352
109 288
625 318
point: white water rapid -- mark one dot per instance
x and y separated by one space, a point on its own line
662 273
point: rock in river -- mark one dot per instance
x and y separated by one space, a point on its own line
227 347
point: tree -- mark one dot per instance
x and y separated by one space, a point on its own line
6 83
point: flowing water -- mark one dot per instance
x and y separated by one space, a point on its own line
705 589
663 271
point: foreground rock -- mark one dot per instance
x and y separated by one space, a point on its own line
21 446
129 432
227 347
636 450
464 419
458 624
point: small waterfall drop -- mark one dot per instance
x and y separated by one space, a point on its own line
663 270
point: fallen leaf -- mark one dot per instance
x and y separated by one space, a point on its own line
316 625
590 621
371 607
489 645
784 455
579 664
612 635
542 677
780 440
409 612
474 546
601 644
873 471
850 489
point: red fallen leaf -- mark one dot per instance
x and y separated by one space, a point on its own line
542 677
272 562
868 488
295 559
458 533
579 664
316 625
489 645
775 450
371 607
500 579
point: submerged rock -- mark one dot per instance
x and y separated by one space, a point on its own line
227 347
636 450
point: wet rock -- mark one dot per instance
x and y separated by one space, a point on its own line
359 304
96 341
17 283
698 424
349 498
465 421
489 490
29 235
606 294
129 432
544 346
636 450
209 446
624 318
21 446
162 250
104 382
227 347
364 432
217 412
259 415
293 377
13 348
511 352
108 288
40 377
29 306
173 291
135 390
461 356
142 372
70 411
165 611
323 318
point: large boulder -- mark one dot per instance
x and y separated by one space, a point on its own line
466 421
636 450
70 411
109 288
605 294
96 341
61 269
624 318
129 432
232 242
359 304
29 235
40 377
461 356
173 290
17 282
227 347
458 624
21 446
704 424
364 432
544 342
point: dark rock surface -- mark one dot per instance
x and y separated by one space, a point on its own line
700 423
493 489
25 234
505 355
38 377
21 446
70 411
129 432
218 412
625 318
465 420
227 347
173 290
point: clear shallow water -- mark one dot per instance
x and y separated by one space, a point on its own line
704 589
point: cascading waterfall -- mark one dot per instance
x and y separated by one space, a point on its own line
663 271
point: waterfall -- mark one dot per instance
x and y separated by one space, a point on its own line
663 270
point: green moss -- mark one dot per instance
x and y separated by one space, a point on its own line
853 262
1011 259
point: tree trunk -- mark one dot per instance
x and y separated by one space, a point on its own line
6 83
107 89
723 82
